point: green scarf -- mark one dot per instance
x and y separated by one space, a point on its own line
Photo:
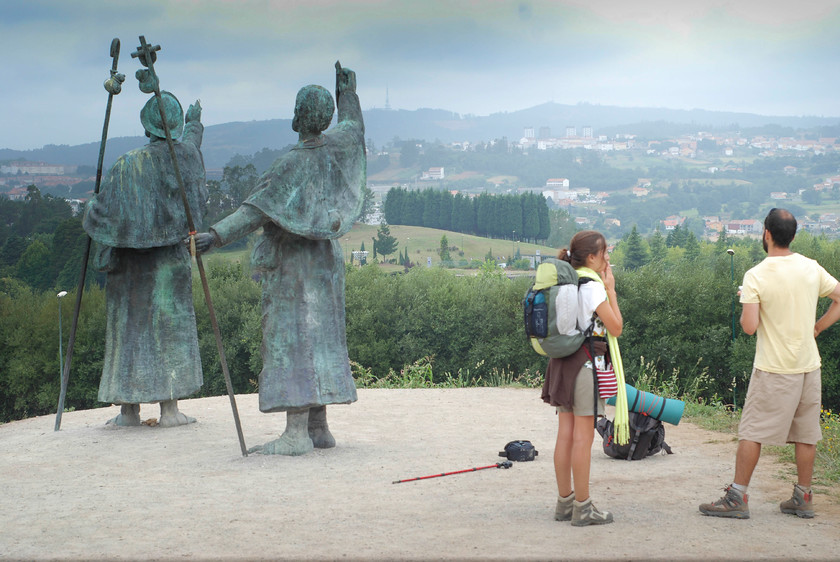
621 423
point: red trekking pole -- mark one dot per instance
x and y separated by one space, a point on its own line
505 464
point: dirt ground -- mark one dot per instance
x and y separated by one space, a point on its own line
186 493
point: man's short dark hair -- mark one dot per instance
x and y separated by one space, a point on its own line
781 225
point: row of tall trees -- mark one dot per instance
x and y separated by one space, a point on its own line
521 217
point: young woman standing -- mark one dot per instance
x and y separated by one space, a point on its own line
569 384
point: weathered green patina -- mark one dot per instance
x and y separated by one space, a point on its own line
309 198
138 222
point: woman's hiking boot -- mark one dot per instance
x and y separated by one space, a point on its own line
563 511
732 504
800 504
584 513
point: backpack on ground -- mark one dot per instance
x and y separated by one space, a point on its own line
647 437
543 310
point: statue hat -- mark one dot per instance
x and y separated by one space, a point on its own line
150 116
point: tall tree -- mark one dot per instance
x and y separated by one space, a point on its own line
431 209
656 242
562 228
219 203
412 210
676 238
444 249
722 243
393 205
240 182
68 235
545 220
484 214
636 254
692 247
384 243
367 203
445 209
34 269
12 250
530 216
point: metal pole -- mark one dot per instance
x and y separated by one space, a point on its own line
60 296
146 54
731 253
505 464
113 86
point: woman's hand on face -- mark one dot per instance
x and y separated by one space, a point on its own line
607 276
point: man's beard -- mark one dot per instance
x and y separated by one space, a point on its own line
764 243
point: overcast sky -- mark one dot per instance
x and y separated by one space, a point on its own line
246 59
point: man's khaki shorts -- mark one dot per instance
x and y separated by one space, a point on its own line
782 409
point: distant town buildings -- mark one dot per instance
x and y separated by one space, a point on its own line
557 183
35 168
432 174
16 176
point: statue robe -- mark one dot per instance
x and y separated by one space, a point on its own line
309 198
138 221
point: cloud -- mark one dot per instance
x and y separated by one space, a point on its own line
246 59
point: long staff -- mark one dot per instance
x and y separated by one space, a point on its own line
146 54
113 85
505 464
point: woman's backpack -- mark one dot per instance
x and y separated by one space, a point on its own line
647 437
543 310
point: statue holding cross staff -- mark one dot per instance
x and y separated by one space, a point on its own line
139 221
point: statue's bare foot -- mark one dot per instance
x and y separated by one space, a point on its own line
285 445
170 416
129 416
295 439
175 420
318 429
321 436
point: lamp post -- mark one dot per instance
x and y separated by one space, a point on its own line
60 296
731 253
512 246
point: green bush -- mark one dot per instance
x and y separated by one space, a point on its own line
469 322
678 318
428 326
30 367
236 301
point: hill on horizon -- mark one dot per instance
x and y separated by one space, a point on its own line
223 141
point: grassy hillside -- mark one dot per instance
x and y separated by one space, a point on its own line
422 243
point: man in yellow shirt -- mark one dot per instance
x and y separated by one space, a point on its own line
779 298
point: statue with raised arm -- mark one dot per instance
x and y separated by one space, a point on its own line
138 222
304 203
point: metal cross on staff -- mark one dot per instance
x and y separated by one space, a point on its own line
113 86
147 56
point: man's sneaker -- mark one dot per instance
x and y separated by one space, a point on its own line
584 513
563 511
799 504
732 504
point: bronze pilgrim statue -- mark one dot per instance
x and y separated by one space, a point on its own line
304 203
138 222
